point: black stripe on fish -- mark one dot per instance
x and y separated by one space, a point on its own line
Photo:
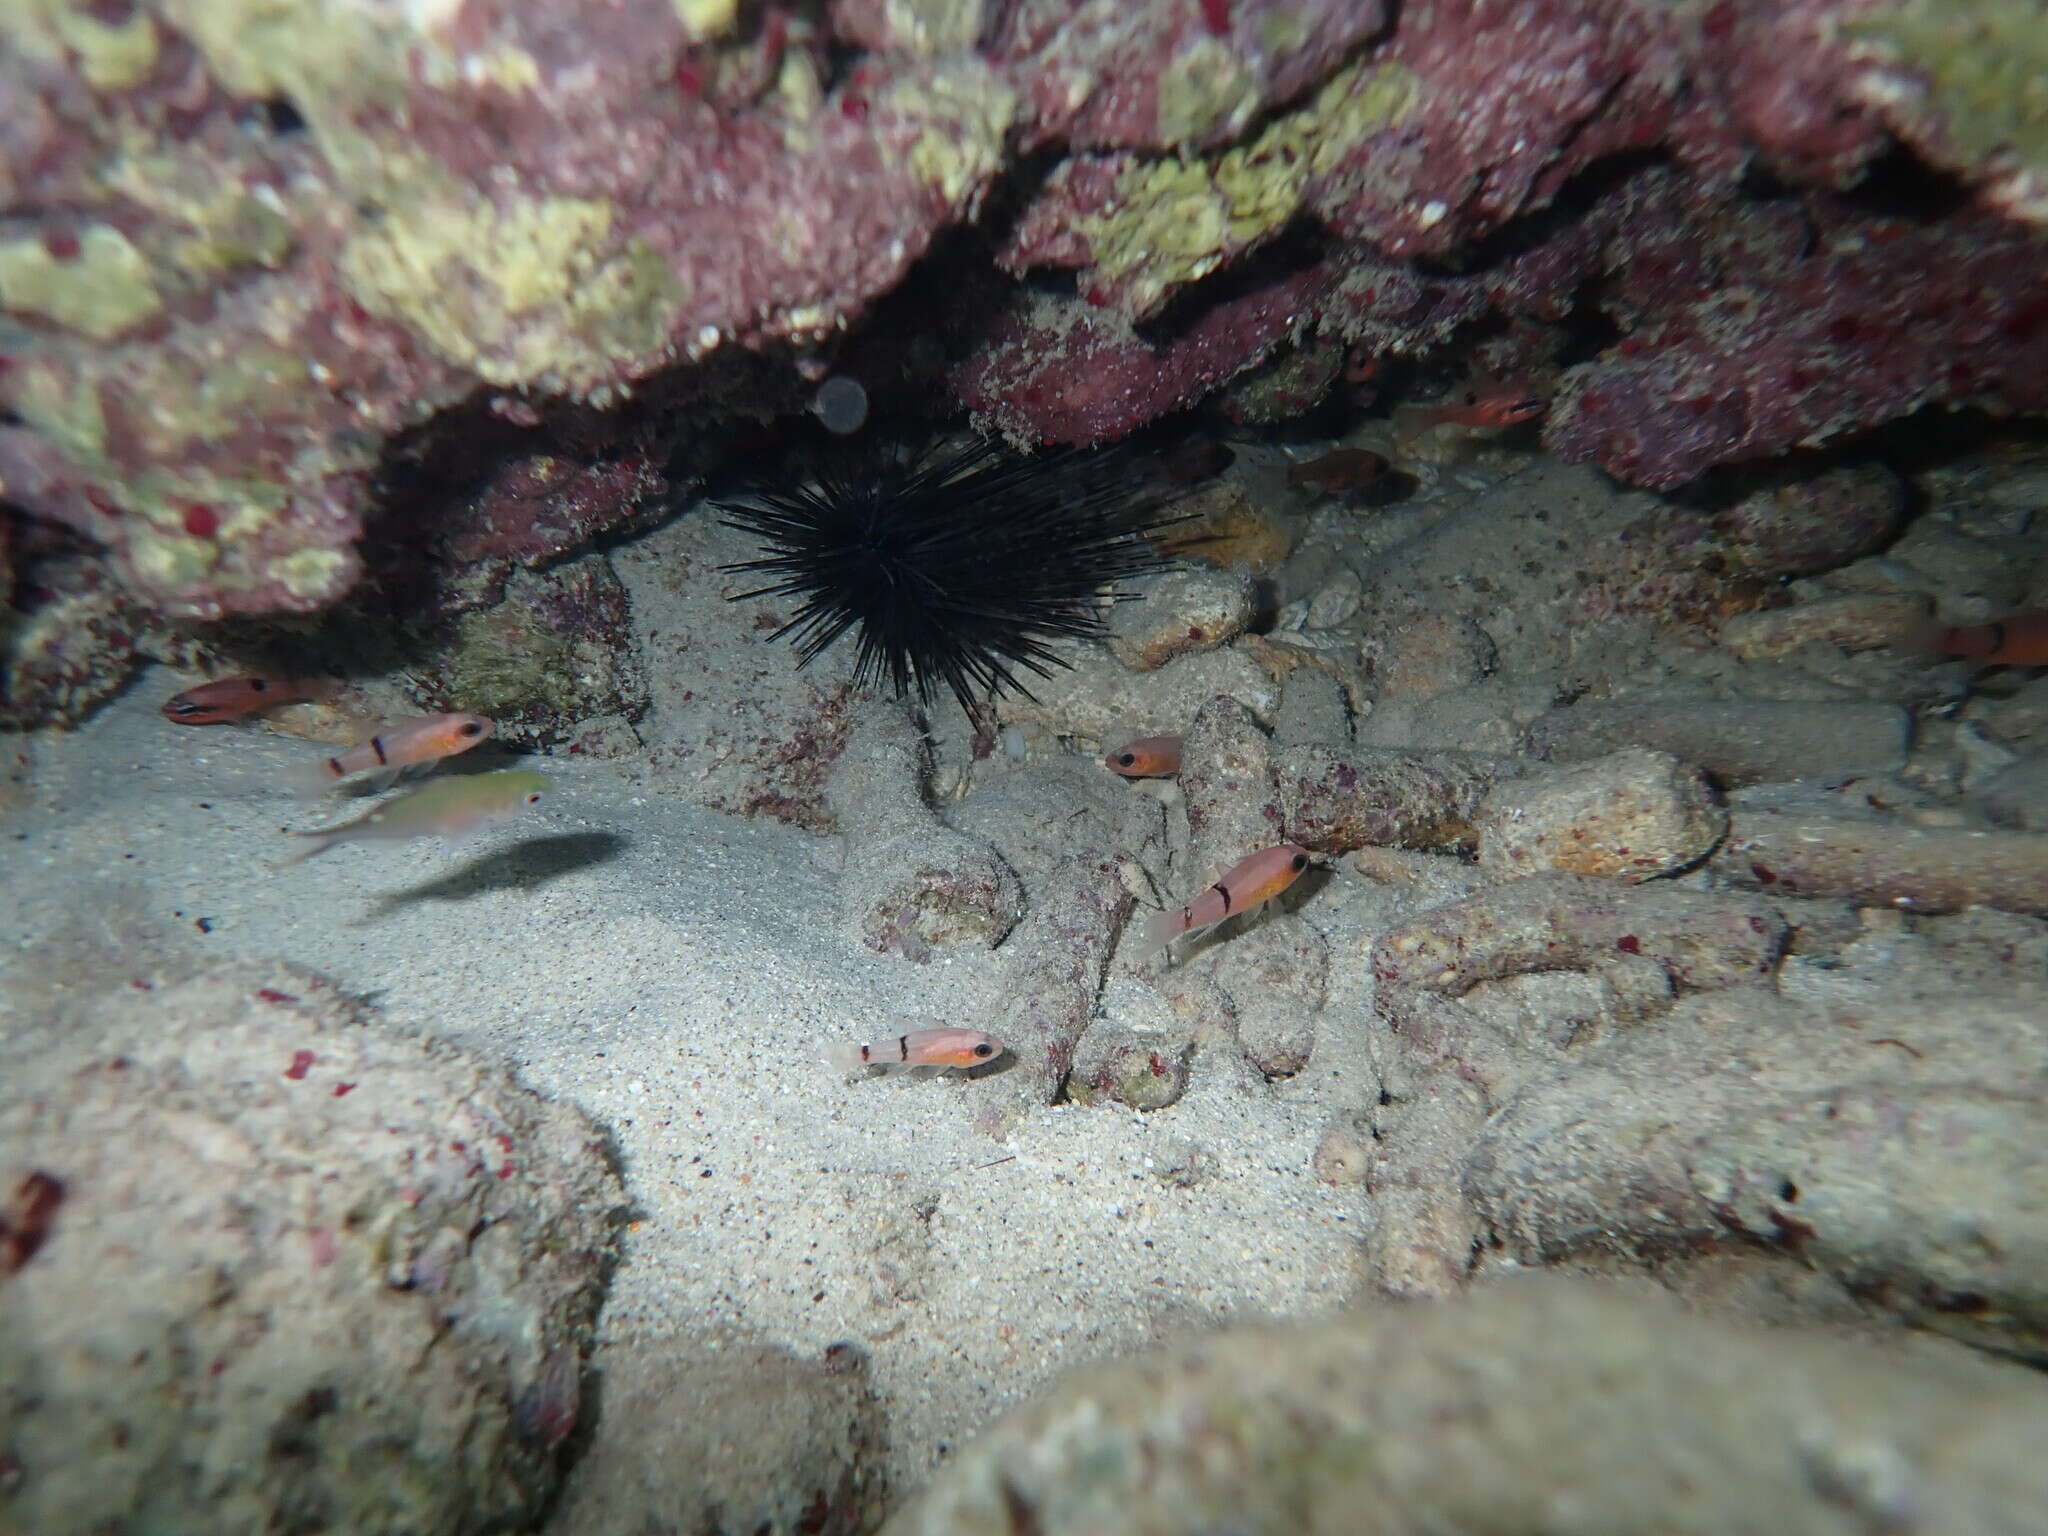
1997 628
377 746
334 767
867 1053
903 1047
1220 891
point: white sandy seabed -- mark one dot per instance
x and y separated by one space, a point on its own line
675 973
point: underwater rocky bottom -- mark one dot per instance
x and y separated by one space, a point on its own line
1673 917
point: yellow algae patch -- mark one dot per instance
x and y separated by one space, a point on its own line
1174 221
519 292
168 563
706 19
1986 65
930 27
66 411
310 574
1208 89
966 111
100 292
173 400
112 56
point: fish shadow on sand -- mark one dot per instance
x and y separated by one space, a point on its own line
521 867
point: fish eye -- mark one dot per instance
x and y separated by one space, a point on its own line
257 685
984 1049
1300 862
472 729
1126 759
534 798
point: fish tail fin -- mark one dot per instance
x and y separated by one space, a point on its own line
844 1055
321 842
317 778
1160 930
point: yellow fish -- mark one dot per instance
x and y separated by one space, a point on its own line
446 808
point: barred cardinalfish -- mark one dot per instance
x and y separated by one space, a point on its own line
1149 757
236 698
453 807
1249 883
402 744
936 1049
2017 640
1500 406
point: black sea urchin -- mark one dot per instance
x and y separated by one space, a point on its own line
955 564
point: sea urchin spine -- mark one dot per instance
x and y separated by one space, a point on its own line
956 565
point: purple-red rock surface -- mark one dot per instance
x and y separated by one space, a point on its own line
249 254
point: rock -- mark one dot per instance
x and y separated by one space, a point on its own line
1891 1144
1188 608
1855 623
1336 600
1421 654
1806 526
556 653
922 883
1634 815
1344 1154
294 1243
1276 974
1879 861
1619 1407
2021 715
2017 796
1738 741
1221 526
724 1435
1139 1069
1135 1052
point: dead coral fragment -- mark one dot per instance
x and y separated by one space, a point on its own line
913 881
1634 815
1880 862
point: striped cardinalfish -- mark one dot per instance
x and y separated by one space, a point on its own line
1149 757
936 1050
395 747
453 807
1249 883
2017 640
236 698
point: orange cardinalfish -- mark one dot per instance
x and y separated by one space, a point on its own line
1502 406
394 748
939 1050
1149 757
2017 640
236 698
1250 882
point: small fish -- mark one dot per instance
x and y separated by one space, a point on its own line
402 744
453 807
1339 470
1502 406
236 698
1249 883
1149 757
2017 640
937 1049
